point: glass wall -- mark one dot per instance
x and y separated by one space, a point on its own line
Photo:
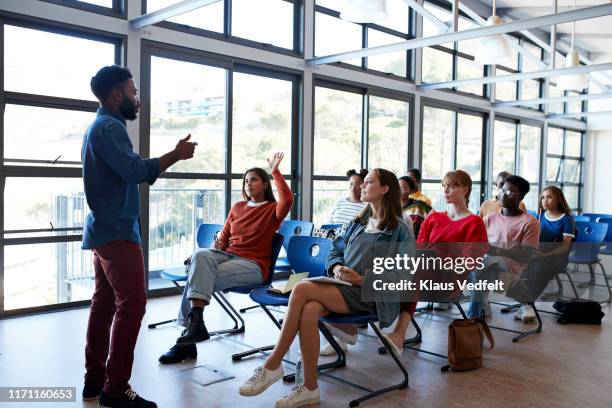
45 113
350 36
344 140
564 160
452 140
516 149
191 95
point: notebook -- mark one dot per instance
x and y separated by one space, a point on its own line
288 286
327 279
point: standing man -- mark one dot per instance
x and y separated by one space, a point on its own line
111 174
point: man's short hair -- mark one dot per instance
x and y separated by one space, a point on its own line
108 79
416 174
520 182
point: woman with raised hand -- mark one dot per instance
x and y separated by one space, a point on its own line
240 257
379 231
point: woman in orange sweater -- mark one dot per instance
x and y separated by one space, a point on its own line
240 257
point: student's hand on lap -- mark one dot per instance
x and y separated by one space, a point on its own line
349 275
275 160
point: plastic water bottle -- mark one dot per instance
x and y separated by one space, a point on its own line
299 373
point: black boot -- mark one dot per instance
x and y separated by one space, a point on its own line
195 330
178 353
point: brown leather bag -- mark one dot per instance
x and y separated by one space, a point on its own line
465 344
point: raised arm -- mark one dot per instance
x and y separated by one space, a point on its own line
285 196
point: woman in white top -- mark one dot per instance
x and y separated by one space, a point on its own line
347 208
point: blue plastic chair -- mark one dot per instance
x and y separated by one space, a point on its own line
292 228
330 226
206 235
589 238
306 254
309 254
582 218
606 249
595 216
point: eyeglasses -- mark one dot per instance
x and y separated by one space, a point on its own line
508 193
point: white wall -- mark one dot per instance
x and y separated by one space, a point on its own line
597 172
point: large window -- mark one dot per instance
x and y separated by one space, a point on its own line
45 114
564 159
516 149
191 95
343 140
453 61
452 139
349 36
262 22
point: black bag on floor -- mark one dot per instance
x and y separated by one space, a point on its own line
588 312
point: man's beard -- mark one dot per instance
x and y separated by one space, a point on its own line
127 109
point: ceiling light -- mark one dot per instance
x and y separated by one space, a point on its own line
493 49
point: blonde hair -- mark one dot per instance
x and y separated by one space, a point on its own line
459 178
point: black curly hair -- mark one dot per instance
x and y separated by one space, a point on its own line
352 172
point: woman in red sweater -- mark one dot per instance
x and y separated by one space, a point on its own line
453 233
240 257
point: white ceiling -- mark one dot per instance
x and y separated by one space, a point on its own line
592 35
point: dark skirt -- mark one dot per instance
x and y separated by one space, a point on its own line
352 297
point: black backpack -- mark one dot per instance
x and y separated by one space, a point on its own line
587 312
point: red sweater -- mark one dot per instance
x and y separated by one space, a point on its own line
439 228
248 231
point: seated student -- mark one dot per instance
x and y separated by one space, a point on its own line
240 257
451 232
378 231
415 174
557 230
493 205
347 208
413 211
513 238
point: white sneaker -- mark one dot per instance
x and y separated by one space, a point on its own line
340 334
518 313
528 314
260 381
299 396
442 306
487 310
328 350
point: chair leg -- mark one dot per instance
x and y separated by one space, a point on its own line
591 281
240 356
340 355
154 325
409 343
397 361
571 281
463 314
244 309
605 278
233 314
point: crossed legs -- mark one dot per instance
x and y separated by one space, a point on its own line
309 302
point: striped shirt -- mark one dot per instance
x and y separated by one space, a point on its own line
345 210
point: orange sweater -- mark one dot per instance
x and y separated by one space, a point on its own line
248 231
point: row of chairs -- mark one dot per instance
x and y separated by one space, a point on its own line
305 253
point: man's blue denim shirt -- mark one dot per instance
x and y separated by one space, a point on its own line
111 174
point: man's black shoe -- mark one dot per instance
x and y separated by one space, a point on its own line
128 399
195 330
91 392
178 353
